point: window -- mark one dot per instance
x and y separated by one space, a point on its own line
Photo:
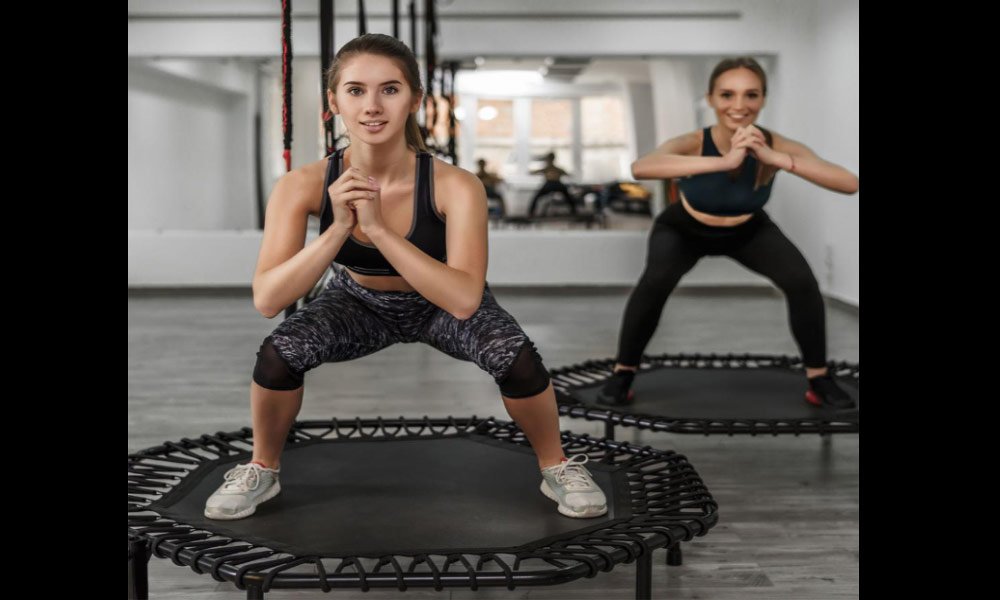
605 152
495 135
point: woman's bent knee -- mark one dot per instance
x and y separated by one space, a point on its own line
272 371
527 375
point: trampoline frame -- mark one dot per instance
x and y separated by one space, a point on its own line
564 379
669 504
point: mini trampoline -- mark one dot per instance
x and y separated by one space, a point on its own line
709 394
378 503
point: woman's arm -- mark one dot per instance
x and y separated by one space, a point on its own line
456 287
286 268
673 159
796 158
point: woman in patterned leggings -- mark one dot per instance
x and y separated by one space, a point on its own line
412 234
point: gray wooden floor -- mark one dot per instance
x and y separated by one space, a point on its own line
788 506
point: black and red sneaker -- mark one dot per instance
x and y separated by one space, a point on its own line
617 391
825 392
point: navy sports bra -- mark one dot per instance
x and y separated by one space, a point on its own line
427 230
717 193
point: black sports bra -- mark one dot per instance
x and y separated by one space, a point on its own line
427 230
717 193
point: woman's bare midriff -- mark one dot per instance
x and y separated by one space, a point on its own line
382 283
715 220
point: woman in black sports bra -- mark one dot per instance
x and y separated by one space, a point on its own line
415 272
723 188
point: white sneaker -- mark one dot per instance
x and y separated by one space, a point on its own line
245 487
573 488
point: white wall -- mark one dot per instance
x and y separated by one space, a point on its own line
639 110
813 95
189 136
582 28
837 58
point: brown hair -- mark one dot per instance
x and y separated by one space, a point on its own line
388 46
764 172
739 62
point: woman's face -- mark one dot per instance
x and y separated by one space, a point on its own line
373 99
737 98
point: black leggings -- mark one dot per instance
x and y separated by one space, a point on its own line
678 241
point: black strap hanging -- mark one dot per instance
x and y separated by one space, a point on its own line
286 80
362 18
326 53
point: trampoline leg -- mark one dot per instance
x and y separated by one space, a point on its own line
255 591
609 430
138 569
674 557
644 577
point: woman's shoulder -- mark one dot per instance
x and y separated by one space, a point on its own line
449 174
451 182
309 179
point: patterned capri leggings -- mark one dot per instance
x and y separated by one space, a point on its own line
348 321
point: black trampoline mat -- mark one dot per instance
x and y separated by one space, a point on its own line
739 394
397 496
